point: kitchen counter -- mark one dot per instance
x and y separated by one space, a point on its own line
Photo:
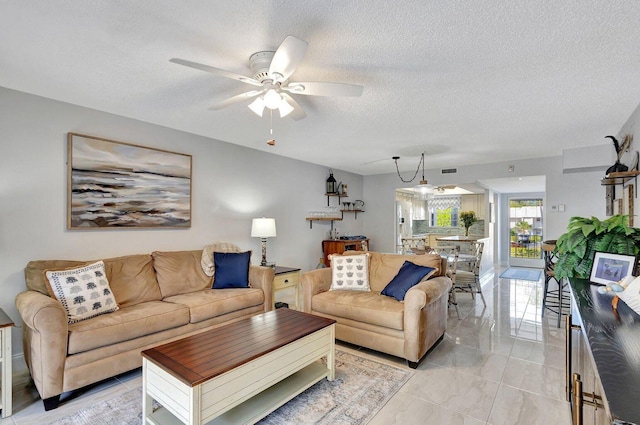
614 342
458 238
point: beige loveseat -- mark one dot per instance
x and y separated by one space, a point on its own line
404 329
161 296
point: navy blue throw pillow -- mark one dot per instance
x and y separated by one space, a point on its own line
231 269
408 276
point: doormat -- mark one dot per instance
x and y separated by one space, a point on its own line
521 274
360 389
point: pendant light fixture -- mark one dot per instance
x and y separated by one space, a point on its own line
423 183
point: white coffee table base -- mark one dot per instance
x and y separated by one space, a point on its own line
243 395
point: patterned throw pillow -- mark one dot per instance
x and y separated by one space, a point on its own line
350 272
83 291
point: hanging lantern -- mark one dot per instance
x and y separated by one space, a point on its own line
332 187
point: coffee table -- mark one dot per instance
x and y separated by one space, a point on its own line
237 373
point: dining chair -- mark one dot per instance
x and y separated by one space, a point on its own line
451 253
553 300
469 281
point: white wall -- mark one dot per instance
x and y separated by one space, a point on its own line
231 185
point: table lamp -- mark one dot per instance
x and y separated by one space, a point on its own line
263 228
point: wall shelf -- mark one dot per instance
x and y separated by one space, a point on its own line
353 211
621 178
331 219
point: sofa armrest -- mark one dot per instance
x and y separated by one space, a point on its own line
262 277
314 282
425 318
44 339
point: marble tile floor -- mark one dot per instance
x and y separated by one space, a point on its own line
497 365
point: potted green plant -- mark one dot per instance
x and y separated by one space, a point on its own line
467 218
585 236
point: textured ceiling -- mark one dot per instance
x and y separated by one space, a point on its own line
467 82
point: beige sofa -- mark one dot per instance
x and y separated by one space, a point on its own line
161 296
404 329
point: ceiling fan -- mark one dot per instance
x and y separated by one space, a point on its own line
271 72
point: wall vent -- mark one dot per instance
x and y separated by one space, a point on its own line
449 170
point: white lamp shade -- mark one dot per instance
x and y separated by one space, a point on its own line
257 106
263 228
284 108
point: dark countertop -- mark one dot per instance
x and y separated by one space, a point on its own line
615 345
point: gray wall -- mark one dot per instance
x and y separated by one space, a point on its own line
231 185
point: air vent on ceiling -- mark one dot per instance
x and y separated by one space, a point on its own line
449 170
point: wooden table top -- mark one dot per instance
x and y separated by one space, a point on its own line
198 358
5 320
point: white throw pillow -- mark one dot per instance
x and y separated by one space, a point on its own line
84 292
350 272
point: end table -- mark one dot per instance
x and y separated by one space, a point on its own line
287 277
5 363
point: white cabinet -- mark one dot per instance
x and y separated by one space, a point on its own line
474 202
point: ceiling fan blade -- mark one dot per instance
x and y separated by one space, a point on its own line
287 57
216 71
297 113
236 99
324 89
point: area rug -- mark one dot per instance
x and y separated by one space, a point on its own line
360 389
521 274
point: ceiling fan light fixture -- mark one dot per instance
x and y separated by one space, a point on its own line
284 108
272 99
257 106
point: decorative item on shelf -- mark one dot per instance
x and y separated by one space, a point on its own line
468 218
576 249
346 206
332 187
618 166
358 205
264 228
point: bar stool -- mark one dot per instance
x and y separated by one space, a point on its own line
553 299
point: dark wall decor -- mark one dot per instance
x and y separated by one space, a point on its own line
120 185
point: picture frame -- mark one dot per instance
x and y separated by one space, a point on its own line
608 267
116 185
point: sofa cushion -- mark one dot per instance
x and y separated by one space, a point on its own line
35 278
83 291
132 279
350 272
179 272
408 276
367 307
210 303
231 269
383 267
126 324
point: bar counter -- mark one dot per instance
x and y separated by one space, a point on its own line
614 343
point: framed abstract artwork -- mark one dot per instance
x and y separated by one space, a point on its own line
113 185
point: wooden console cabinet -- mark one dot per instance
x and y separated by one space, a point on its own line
338 246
